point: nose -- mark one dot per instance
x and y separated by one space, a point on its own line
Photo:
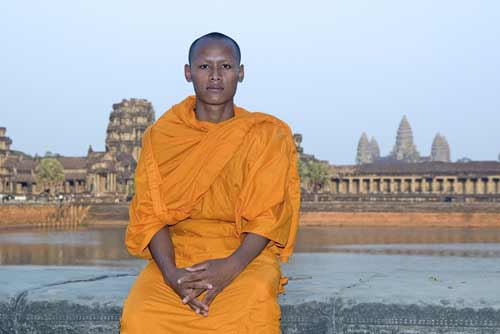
215 75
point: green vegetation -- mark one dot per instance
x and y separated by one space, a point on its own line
314 174
49 173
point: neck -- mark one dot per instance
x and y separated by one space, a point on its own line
214 113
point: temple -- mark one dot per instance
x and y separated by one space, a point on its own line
106 175
404 149
424 181
402 175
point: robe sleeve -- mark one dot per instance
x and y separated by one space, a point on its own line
270 200
145 207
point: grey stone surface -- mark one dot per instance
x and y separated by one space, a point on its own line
327 293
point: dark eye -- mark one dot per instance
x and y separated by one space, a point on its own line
226 66
203 66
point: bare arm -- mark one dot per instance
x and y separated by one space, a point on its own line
163 253
221 272
162 250
250 248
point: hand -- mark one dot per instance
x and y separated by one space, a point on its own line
173 279
219 273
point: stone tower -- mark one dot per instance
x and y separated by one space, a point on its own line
297 138
363 155
127 122
440 149
5 143
404 148
374 149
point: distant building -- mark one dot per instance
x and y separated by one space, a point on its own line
404 149
98 174
402 175
423 181
440 150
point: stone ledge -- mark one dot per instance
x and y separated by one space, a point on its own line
327 293
310 317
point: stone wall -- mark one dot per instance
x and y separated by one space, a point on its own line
312 213
397 219
398 214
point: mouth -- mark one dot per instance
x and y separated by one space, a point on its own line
215 88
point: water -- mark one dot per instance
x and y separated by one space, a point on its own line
104 246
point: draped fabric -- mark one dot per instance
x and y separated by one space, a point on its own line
211 183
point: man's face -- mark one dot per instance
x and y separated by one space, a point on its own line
214 71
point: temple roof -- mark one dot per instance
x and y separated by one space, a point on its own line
388 167
73 162
26 165
75 176
24 177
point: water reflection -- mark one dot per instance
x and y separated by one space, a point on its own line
77 246
105 246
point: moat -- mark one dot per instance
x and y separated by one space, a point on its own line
104 246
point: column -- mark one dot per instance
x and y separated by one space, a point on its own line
373 186
491 186
356 186
340 186
361 186
460 186
435 186
465 186
397 187
480 185
430 185
409 185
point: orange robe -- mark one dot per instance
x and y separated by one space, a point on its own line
211 183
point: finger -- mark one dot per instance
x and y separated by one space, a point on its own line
191 278
192 295
194 308
198 304
209 297
197 285
198 267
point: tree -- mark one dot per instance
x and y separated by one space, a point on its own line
49 173
314 173
318 174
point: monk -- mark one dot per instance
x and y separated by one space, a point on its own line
215 208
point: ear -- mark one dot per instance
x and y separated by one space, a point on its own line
187 73
241 73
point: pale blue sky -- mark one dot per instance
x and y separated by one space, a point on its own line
331 69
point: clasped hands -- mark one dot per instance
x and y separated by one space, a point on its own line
211 276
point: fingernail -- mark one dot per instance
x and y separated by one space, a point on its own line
178 281
197 311
210 286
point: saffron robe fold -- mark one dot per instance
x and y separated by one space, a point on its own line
211 183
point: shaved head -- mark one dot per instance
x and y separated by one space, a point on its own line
214 36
